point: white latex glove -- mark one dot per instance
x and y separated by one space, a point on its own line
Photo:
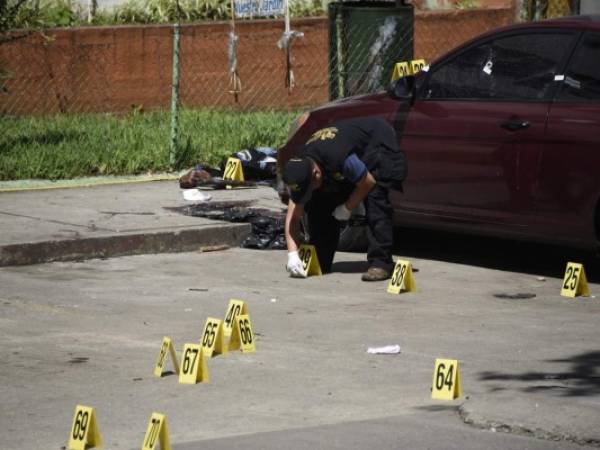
342 213
294 265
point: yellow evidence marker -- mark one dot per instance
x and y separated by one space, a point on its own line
242 337
193 365
213 339
446 380
401 69
416 65
235 308
310 260
233 170
157 431
84 432
575 282
166 346
402 278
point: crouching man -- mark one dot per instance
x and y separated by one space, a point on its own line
340 166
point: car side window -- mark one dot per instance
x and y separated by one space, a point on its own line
516 67
582 79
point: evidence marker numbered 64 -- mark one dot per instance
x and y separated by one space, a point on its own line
446 380
84 431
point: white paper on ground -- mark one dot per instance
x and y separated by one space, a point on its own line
387 350
194 195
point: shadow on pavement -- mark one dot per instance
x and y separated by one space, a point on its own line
350 266
493 253
582 379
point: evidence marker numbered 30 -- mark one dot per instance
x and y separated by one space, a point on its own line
84 431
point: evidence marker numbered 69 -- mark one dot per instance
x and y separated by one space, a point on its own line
84 431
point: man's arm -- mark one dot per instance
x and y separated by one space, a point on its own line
361 190
294 215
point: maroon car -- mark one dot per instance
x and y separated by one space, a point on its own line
502 134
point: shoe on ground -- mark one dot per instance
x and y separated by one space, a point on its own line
376 274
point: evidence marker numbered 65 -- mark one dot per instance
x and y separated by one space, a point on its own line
193 365
242 336
166 348
446 380
157 432
402 278
310 260
235 308
213 338
84 431
575 282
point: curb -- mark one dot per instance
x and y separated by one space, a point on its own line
123 245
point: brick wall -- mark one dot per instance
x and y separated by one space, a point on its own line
113 69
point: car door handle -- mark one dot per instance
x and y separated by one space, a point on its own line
515 125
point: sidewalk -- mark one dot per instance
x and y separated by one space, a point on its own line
112 220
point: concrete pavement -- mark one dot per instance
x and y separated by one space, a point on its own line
88 332
113 220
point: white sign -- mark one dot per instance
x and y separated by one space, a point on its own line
247 8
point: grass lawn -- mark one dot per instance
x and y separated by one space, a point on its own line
60 147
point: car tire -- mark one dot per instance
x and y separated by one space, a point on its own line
353 238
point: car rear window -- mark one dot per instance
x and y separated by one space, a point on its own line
514 67
582 79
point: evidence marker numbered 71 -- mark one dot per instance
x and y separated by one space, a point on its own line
84 431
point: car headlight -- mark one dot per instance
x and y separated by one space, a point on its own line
297 123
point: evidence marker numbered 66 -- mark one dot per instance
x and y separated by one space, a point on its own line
242 336
84 431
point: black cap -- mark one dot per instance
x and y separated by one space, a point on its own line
297 174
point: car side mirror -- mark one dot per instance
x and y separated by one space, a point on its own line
403 88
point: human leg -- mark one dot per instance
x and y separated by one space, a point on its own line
380 230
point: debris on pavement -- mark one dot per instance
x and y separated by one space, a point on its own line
268 230
386 350
517 296
194 195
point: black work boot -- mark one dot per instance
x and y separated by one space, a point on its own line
376 274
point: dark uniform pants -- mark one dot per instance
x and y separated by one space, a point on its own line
324 229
